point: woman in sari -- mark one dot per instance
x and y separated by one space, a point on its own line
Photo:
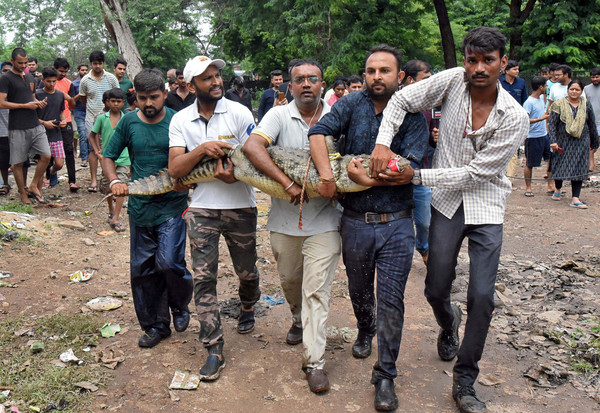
572 133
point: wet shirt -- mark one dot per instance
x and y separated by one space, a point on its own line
148 146
353 122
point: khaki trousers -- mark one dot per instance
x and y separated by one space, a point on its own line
306 267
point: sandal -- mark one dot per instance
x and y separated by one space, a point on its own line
246 321
528 194
579 205
117 227
92 188
73 187
556 196
4 189
38 197
84 164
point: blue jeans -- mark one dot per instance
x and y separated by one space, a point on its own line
422 197
84 145
159 277
387 248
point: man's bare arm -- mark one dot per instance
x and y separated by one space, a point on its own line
320 157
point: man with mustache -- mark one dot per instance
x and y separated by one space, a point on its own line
225 207
159 278
377 226
481 128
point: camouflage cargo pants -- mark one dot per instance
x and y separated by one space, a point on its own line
238 227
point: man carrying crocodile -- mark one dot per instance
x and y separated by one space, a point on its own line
306 258
377 226
225 206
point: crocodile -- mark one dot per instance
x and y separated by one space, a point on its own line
292 161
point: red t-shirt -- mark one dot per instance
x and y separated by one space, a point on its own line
64 85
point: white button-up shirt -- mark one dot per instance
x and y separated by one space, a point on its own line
469 167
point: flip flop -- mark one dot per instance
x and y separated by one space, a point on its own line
73 187
117 227
38 197
579 205
93 188
84 164
556 196
528 194
4 189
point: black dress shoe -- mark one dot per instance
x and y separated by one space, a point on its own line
385 396
448 341
294 336
361 349
466 399
317 380
181 319
151 338
246 321
212 368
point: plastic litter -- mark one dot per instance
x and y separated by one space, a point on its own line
4 394
81 276
37 346
5 284
104 303
5 274
110 329
61 405
10 236
70 357
183 380
272 300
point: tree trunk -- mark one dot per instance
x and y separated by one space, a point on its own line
446 33
515 25
118 27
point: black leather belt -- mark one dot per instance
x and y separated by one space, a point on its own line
375 218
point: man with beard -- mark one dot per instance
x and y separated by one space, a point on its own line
377 227
481 128
307 257
225 207
159 278
92 87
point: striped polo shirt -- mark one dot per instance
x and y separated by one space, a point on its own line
93 90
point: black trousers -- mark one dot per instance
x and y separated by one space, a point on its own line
68 137
485 242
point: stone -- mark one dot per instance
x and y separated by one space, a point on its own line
76 225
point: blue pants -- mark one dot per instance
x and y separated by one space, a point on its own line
159 277
422 211
387 248
84 145
485 243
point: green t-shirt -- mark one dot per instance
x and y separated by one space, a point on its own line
148 146
125 85
103 127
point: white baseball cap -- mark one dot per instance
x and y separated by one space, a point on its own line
198 65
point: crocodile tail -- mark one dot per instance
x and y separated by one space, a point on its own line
159 183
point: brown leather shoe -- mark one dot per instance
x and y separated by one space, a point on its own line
317 380
294 336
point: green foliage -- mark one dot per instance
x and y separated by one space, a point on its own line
16 207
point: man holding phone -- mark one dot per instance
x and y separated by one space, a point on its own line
270 95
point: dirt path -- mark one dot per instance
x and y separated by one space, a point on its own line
263 373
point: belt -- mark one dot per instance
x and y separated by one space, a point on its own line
375 218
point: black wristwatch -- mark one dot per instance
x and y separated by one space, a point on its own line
416 180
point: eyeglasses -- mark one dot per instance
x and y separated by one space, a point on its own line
312 79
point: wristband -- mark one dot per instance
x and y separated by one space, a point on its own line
289 186
113 182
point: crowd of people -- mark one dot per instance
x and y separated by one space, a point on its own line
455 186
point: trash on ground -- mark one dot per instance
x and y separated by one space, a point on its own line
272 300
37 346
5 284
118 293
86 385
110 358
110 329
104 303
5 274
4 394
183 380
81 276
10 236
61 405
70 357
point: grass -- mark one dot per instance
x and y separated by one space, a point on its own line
35 380
16 207
583 344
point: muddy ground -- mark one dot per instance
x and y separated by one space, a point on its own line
528 366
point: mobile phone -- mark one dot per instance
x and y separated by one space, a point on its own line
56 122
281 96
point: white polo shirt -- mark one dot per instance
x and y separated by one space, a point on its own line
284 126
231 123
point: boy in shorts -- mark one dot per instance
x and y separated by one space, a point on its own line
105 127
52 117
537 144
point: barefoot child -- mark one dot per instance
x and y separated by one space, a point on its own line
52 117
105 126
